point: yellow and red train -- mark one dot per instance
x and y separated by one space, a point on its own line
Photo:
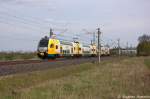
53 48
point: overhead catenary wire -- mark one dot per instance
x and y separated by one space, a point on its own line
6 9
37 30
22 21
8 23
31 18
27 25
32 25
26 21
18 39
21 26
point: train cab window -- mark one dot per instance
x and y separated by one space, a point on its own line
52 46
56 46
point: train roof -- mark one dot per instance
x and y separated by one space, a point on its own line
65 43
86 45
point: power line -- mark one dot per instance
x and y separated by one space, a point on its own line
23 22
24 26
82 40
17 19
19 39
34 19
32 28
20 21
88 32
27 21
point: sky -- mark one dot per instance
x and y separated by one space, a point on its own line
24 22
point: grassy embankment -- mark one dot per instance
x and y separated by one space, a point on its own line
108 80
147 62
4 56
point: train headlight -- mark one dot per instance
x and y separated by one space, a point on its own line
42 54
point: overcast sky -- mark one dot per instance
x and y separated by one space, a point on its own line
24 22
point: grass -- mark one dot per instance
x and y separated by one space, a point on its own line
4 56
147 62
86 81
11 84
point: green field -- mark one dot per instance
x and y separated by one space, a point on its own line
109 80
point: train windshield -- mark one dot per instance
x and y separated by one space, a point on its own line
43 42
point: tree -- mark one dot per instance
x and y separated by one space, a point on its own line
144 38
143 47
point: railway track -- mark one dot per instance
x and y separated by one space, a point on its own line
5 63
13 67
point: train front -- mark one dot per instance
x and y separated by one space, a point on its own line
48 48
42 50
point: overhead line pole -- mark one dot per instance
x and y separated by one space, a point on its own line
51 32
119 52
127 48
99 45
94 38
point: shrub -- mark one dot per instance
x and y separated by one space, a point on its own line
143 49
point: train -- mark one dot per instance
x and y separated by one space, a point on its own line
52 48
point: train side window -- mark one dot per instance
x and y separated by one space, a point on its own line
56 46
83 50
79 49
52 46
74 48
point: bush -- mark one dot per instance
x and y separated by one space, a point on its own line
143 49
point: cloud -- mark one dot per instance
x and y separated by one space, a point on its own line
116 18
26 2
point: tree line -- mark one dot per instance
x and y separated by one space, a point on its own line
143 48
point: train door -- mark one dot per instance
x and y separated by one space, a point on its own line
79 50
